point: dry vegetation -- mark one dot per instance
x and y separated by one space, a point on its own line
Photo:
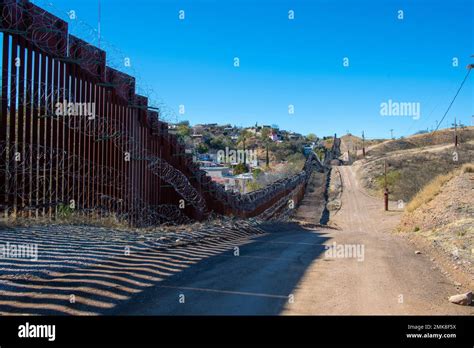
414 162
419 141
430 191
67 218
442 214
351 142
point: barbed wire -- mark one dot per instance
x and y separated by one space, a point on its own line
39 176
64 34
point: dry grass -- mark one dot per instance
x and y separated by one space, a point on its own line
351 142
442 215
468 168
412 171
429 192
74 218
433 188
420 141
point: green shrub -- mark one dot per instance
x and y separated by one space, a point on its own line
240 168
64 211
393 176
202 148
256 173
253 186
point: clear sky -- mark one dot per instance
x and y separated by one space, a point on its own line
297 62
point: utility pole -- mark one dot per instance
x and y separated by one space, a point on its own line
385 194
267 158
363 145
245 153
391 134
455 134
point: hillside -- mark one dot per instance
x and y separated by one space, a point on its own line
413 162
351 142
441 217
419 141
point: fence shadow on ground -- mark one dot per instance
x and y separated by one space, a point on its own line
261 280
91 271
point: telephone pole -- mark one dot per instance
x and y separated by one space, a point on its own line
245 153
363 145
391 134
267 158
385 194
455 134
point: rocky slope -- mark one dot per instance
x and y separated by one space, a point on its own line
444 226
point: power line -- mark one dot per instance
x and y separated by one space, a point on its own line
452 101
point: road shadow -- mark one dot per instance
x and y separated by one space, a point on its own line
94 271
84 270
256 278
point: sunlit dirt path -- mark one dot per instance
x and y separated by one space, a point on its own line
391 278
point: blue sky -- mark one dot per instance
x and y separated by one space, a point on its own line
298 62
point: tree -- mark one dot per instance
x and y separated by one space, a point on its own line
240 168
256 173
183 129
219 142
267 157
265 135
311 137
202 148
244 135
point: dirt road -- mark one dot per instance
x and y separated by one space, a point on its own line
288 272
391 279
